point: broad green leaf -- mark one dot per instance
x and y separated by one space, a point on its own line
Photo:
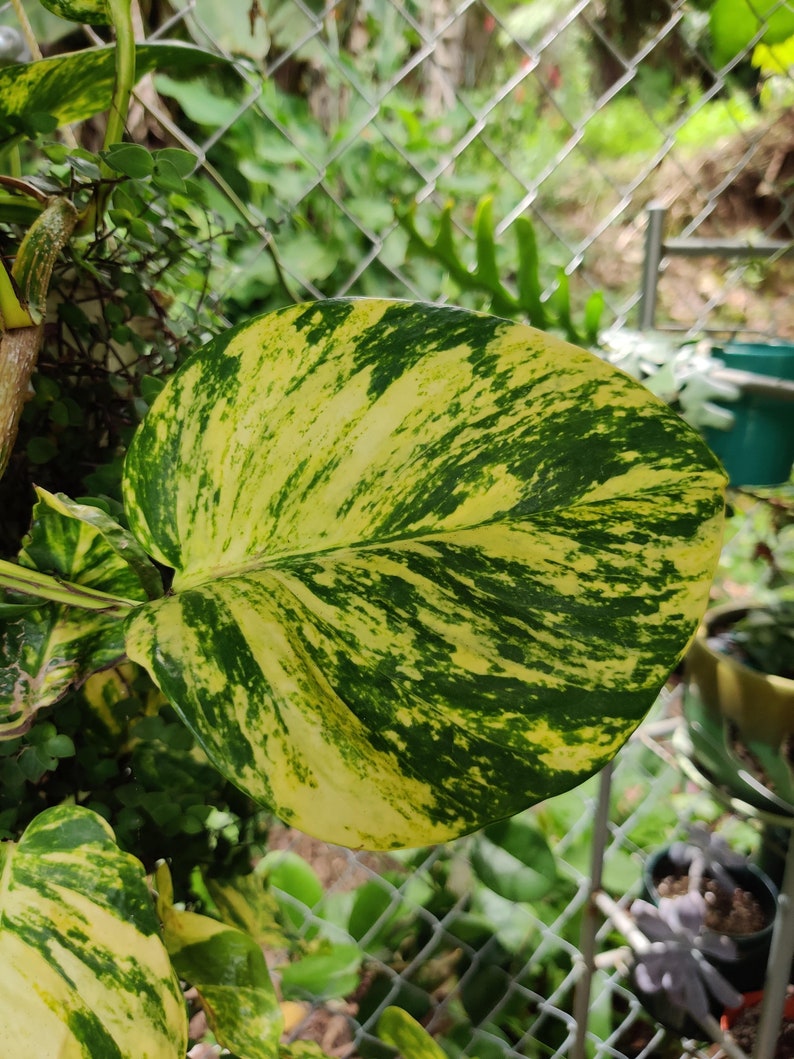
331 973
91 12
735 23
514 859
228 970
512 923
46 650
235 27
399 1029
73 87
289 873
83 971
430 566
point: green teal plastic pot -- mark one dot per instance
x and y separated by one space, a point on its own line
759 449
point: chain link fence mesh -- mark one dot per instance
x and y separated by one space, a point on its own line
324 128
574 114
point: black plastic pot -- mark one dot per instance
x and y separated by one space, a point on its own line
674 1019
747 971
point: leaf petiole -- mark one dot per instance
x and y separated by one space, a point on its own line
17 578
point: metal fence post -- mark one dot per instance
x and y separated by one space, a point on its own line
651 264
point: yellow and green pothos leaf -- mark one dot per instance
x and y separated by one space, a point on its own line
76 86
92 12
430 566
47 648
83 970
227 968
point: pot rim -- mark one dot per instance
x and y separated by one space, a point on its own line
760 876
720 613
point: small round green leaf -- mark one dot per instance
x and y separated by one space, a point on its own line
130 159
290 873
60 746
183 161
326 975
41 450
166 176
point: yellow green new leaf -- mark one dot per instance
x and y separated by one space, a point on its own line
13 309
228 970
83 970
430 566
734 24
38 252
412 1041
46 650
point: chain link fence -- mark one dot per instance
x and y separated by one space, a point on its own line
576 115
327 137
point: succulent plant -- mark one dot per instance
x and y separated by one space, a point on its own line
675 962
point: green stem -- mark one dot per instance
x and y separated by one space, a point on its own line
17 578
121 17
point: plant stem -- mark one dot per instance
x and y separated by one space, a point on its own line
17 578
27 29
19 348
121 16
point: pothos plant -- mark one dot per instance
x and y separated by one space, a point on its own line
401 570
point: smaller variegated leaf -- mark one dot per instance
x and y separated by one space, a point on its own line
83 970
46 650
228 970
88 12
247 904
76 86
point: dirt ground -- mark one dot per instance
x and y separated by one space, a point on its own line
739 189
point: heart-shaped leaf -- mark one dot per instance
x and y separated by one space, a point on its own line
83 971
430 566
228 970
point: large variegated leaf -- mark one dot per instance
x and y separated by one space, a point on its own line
83 970
73 87
46 649
431 566
228 970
